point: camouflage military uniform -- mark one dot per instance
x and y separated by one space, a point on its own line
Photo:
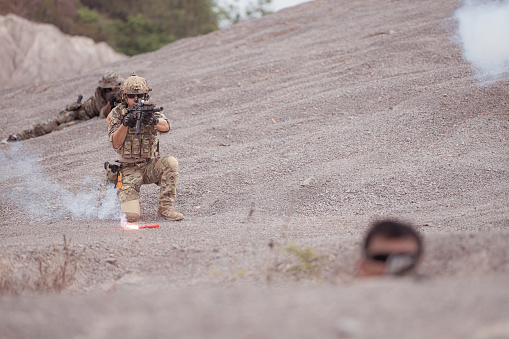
107 90
93 107
141 164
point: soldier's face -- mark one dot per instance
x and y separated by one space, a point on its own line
108 93
380 249
132 97
130 102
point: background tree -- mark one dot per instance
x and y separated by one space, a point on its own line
233 12
132 27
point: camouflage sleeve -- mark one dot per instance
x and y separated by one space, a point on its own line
86 111
114 120
160 115
100 102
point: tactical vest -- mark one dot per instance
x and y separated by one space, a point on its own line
143 145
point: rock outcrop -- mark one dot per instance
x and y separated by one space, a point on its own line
35 52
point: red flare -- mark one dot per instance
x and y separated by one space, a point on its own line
137 227
150 226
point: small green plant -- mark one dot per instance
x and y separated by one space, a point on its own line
306 257
302 263
214 272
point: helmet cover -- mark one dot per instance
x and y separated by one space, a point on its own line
135 85
110 79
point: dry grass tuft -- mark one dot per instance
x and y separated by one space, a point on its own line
49 272
6 277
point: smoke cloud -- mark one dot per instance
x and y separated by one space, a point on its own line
483 29
32 190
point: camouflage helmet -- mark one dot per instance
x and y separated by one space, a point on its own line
135 85
110 79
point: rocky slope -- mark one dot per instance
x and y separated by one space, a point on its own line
303 126
34 53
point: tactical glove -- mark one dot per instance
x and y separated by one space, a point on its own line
129 120
147 119
73 107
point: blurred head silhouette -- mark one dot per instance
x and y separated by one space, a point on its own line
390 248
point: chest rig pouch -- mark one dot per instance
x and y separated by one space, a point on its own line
141 145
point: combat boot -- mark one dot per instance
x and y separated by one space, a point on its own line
170 214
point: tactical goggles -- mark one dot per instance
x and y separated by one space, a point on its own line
395 263
383 257
132 96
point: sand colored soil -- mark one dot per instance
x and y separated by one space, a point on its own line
301 127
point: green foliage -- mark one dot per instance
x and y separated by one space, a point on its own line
138 35
132 28
129 26
232 13
88 16
93 24
258 9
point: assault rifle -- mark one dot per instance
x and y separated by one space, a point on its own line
140 108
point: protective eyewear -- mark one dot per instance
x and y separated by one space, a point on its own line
396 263
383 257
132 96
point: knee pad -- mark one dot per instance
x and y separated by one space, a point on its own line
170 162
131 209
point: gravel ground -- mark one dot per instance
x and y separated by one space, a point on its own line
301 128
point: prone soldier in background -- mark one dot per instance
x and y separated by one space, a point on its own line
133 128
107 95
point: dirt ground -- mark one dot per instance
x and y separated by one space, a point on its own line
293 131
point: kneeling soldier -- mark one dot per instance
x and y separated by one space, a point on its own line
139 153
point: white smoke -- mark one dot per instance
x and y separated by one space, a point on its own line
483 29
31 189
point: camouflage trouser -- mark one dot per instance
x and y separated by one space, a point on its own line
161 171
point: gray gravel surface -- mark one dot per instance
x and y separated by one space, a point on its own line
300 127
